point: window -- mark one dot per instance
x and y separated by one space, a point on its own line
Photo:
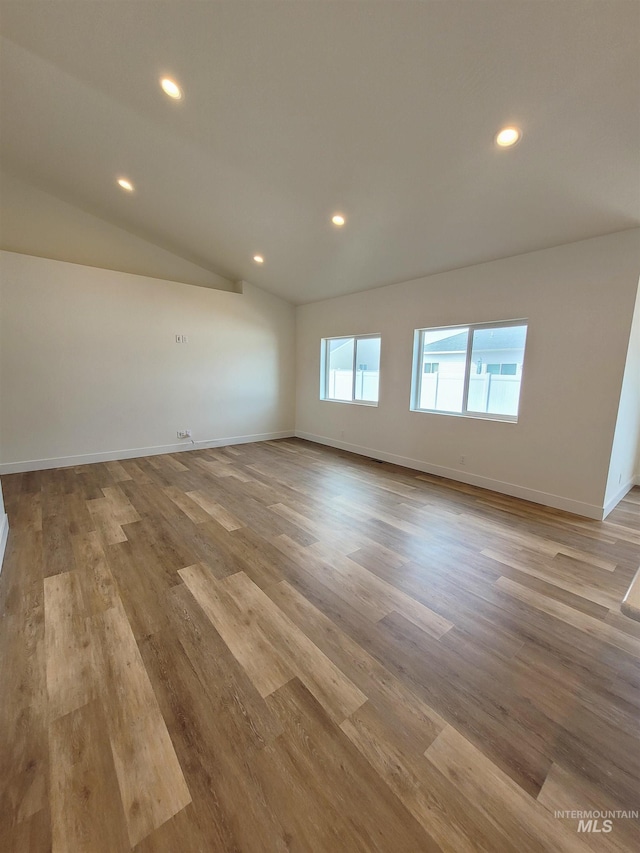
350 369
502 369
478 371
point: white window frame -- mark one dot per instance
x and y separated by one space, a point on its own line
324 369
418 350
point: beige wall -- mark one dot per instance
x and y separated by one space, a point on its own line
89 368
89 363
579 301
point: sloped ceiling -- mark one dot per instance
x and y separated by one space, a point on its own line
385 111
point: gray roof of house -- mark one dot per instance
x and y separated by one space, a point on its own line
509 337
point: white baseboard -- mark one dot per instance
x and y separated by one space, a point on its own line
114 455
622 491
512 489
243 439
4 535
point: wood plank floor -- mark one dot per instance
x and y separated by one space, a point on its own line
282 647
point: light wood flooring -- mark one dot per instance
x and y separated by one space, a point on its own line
282 647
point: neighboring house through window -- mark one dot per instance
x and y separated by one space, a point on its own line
473 370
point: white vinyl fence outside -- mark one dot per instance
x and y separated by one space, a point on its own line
488 393
367 383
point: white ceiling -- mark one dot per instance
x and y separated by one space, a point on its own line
385 111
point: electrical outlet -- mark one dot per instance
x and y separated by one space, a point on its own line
463 460
184 433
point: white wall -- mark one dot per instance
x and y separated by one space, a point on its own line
625 454
579 301
89 364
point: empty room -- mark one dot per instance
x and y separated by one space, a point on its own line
319 426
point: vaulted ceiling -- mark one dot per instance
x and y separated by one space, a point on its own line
292 111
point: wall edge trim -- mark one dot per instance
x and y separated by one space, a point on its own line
619 494
4 535
525 493
134 453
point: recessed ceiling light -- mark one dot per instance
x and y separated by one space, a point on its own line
508 136
125 184
258 259
171 88
338 219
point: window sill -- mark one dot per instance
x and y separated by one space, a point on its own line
350 402
474 416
